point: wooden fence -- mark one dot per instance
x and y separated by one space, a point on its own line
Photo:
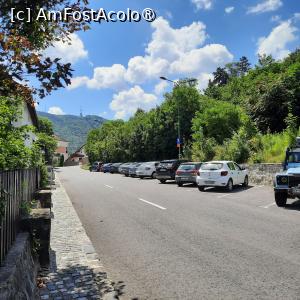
16 187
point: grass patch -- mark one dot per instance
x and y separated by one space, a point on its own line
85 167
274 147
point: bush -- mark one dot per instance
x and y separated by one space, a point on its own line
61 161
44 176
273 147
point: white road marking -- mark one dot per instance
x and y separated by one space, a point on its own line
109 186
222 196
269 205
148 202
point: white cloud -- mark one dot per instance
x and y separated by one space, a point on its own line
229 9
168 43
171 52
265 6
108 77
203 80
161 87
276 42
55 110
69 52
103 78
127 102
205 59
77 82
142 68
203 4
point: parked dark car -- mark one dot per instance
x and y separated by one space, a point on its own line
167 168
114 168
96 166
106 167
187 173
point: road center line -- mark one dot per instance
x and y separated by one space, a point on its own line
148 202
109 186
269 205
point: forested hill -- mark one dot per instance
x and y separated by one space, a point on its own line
73 128
248 113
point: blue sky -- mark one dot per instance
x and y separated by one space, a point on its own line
117 65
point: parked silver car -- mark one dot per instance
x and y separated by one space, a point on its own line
147 169
133 168
187 173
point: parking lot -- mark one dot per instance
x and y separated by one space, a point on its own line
168 242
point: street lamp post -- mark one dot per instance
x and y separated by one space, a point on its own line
175 83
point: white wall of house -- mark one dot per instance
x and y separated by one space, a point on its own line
25 119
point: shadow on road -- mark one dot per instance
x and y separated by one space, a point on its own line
293 206
237 189
169 182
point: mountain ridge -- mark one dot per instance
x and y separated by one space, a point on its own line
73 129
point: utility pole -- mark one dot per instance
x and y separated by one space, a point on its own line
175 84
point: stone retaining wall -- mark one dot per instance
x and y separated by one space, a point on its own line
18 273
263 174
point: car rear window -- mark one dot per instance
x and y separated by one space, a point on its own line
212 166
187 167
167 162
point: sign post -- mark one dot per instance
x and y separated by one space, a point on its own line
178 143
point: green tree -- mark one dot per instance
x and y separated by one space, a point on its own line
45 126
219 120
22 44
265 60
46 140
221 76
243 66
13 151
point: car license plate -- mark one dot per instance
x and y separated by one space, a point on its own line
209 182
163 170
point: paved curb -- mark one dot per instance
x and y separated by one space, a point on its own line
75 268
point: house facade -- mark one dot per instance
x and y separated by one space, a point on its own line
28 117
62 148
78 157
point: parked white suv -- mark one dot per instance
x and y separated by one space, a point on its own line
221 174
147 169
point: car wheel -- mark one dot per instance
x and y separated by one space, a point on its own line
126 175
246 181
229 186
153 175
179 184
163 181
280 199
201 188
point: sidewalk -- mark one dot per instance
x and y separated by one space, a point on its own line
75 270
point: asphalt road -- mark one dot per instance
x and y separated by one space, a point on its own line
165 242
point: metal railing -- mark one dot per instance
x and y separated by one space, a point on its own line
16 187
